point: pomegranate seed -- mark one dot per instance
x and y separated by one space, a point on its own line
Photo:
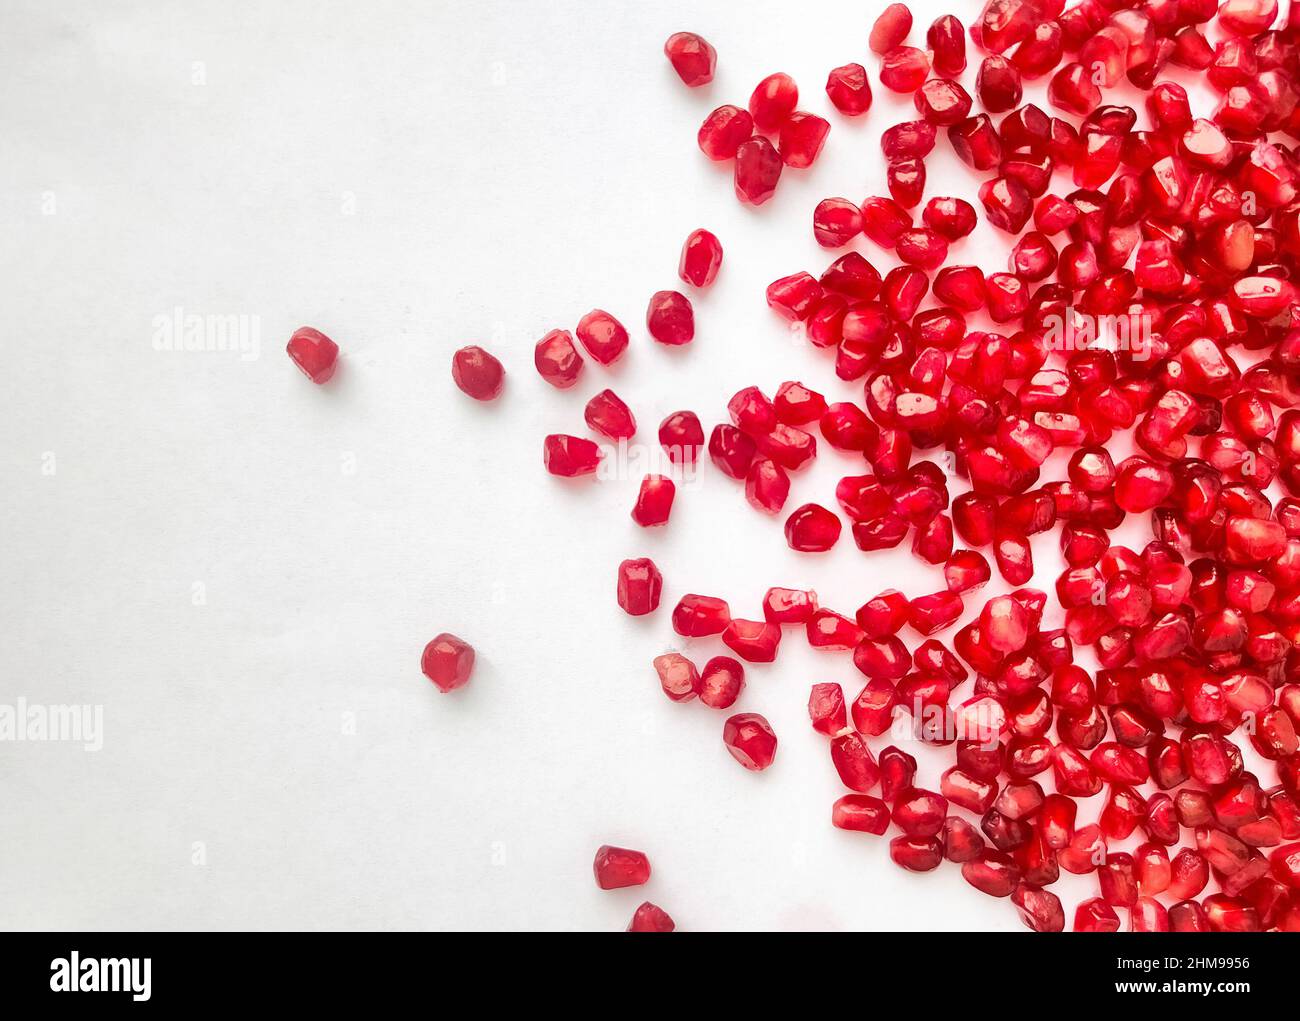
812 529
753 641
474 370
947 41
826 709
557 360
802 138
651 918
677 676
681 436
789 606
570 456
692 58
758 169
1095 916
721 682
639 586
916 854
860 812
602 335
670 318
890 28
701 258
317 356
617 867
750 740
849 90
836 222
699 616
903 69
608 415
724 131
1040 910
773 100
654 501
448 662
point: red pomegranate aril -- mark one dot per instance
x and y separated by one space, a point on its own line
903 69
448 662
976 143
639 586
921 247
1072 90
699 616
998 84
670 318
766 485
812 529
731 450
794 297
692 58
849 90
476 372
920 813
942 101
570 456
905 180
721 682
890 28
317 356
773 100
750 740
789 606
836 222
949 217
916 854
681 436
557 360
947 41
677 676
758 169
752 640
618 867
854 762
1095 916
861 813
802 138
724 131
654 501
607 414
826 709
1006 204
994 873
602 335
701 258
651 918
1040 910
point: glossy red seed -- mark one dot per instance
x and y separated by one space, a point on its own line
721 682
654 501
802 138
750 740
557 360
861 813
607 414
570 456
476 372
692 58
724 131
639 586
701 258
826 709
602 335
677 676
317 356
890 28
681 436
836 222
773 100
698 616
947 42
670 318
753 641
448 662
903 69
651 918
849 90
812 529
617 867
758 169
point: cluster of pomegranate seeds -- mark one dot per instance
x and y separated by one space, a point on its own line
1170 770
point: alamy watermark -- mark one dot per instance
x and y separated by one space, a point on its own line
235 333
32 721
1073 331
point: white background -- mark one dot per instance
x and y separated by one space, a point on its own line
408 178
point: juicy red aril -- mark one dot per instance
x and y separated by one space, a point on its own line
651 918
772 101
802 138
860 812
890 28
654 501
721 682
670 318
317 356
750 740
826 709
758 169
677 676
752 640
903 69
812 529
681 436
692 58
602 335
447 662
724 131
639 586
557 360
476 372
947 40
608 415
570 456
617 867
849 90
701 258
836 222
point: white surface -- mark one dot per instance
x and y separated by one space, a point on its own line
408 178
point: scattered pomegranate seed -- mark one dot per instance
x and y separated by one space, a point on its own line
617 867
678 677
724 131
802 138
608 415
773 101
670 318
602 335
654 501
750 740
758 169
570 456
651 918
557 360
849 90
692 58
639 586
701 258
318 356
448 662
